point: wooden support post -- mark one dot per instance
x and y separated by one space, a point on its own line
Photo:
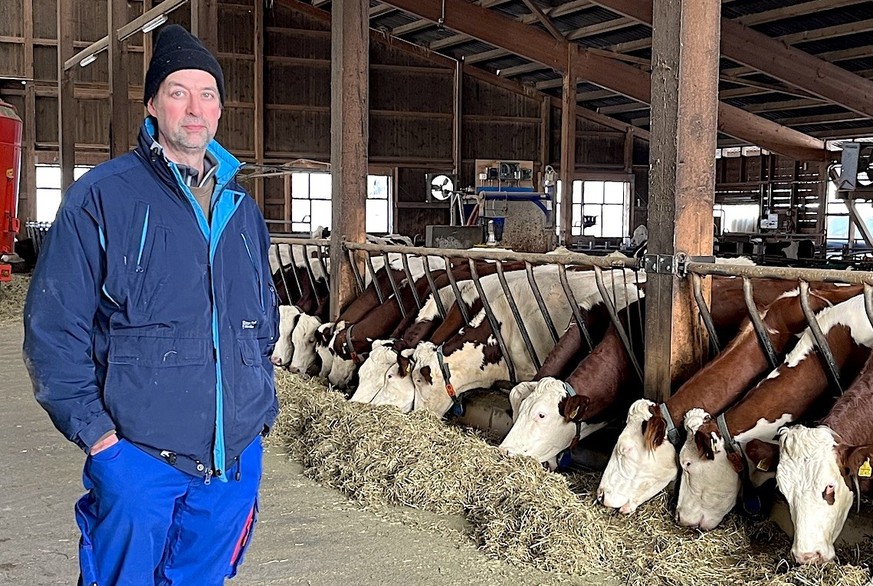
545 136
685 57
349 132
66 98
458 119
568 150
27 191
259 99
119 102
148 47
204 22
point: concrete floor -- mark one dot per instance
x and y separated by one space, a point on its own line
307 535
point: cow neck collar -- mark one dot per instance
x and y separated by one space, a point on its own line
355 358
748 494
571 392
672 431
447 379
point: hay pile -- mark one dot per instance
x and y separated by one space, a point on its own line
518 511
12 296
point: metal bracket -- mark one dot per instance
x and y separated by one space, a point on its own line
668 264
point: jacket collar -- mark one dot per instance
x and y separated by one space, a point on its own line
226 165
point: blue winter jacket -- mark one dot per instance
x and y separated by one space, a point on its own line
145 318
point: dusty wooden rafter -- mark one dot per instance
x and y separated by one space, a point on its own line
543 19
538 46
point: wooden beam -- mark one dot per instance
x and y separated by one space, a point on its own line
258 88
544 20
538 46
489 27
119 101
349 134
27 193
568 151
681 182
796 9
486 56
66 99
457 117
779 60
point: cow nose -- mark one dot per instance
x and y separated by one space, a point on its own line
810 557
294 370
600 493
276 360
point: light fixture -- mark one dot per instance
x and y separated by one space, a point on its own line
154 23
497 72
88 60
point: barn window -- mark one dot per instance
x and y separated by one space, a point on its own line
48 190
311 202
606 201
841 232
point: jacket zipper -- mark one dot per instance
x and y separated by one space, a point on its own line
142 239
257 272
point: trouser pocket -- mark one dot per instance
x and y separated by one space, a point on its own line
242 544
85 520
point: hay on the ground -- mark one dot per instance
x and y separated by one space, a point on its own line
12 296
518 511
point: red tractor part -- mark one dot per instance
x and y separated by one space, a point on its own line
10 171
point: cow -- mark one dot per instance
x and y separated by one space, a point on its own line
472 359
554 415
819 467
284 348
351 348
713 464
643 460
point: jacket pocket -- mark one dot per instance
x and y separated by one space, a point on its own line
250 250
250 352
158 352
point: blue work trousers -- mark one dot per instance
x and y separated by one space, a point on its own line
144 522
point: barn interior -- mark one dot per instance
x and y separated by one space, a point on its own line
669 132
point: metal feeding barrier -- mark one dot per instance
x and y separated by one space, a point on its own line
452 259
804 277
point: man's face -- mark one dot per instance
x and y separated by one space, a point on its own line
187 106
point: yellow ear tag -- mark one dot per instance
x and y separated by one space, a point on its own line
408 368
762 466
865 470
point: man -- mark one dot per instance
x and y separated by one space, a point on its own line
148 332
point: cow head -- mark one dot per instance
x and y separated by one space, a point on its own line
428 380
710 480
544 424
642 463
342 368
811 477
284 348
384 377
323 337
305 360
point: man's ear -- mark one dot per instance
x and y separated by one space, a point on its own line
151 108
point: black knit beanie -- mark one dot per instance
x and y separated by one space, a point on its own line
178 49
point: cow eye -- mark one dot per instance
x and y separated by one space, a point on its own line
390 376
541 415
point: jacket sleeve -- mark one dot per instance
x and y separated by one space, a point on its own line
272 311
58 317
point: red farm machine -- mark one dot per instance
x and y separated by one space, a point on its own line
10 170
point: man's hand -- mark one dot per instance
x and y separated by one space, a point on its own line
104 443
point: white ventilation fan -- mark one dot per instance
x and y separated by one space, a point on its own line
441 186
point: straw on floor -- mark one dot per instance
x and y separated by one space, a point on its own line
520 512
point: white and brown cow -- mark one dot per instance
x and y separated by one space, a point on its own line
283 351
713 463
818 468
553 415
473 359
643 461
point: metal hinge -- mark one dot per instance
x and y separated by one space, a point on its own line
669 264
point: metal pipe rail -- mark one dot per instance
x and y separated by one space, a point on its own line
566 258
793 273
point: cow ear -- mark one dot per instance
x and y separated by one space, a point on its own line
404 365
704 444
425 374
654 431
763 454
858 460
518 394
573 408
